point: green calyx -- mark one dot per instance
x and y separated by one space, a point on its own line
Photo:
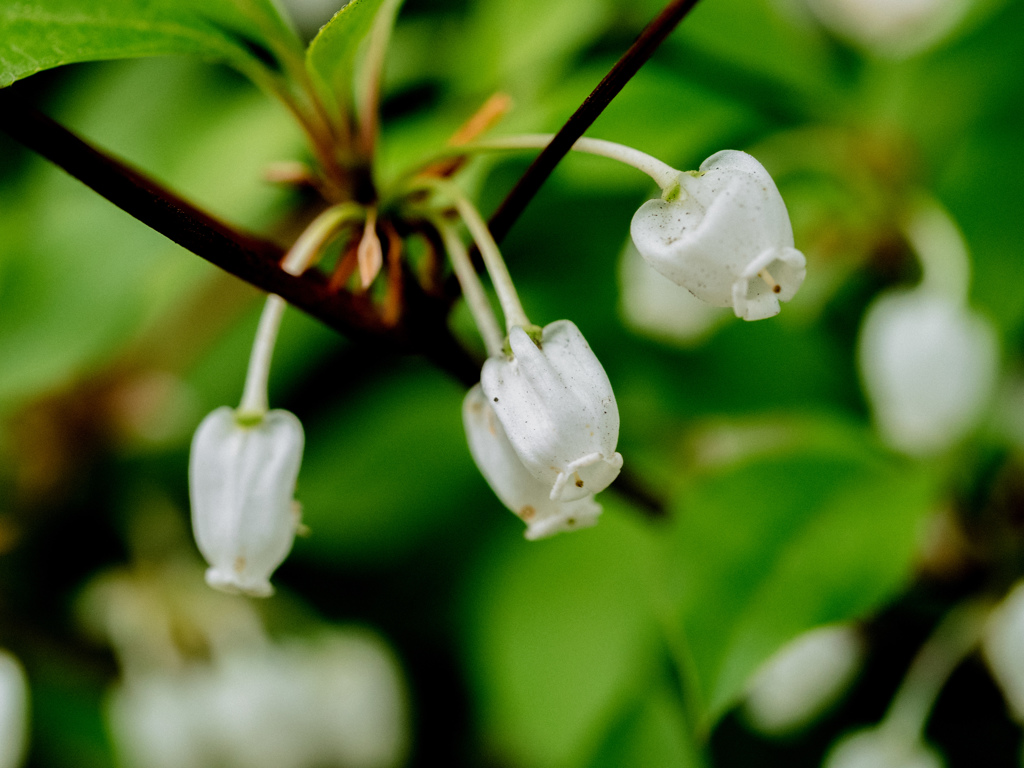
535 332
248 419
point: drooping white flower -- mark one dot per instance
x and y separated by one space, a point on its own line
242 484
1003 648
726 237
518 490
13 711
929 366
803 678
557 408
881 748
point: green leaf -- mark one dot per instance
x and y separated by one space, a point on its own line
79 278
562 636
652 732
331 57
778 545
388 469
41 34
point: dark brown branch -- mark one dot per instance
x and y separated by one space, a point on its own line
642 49
248 257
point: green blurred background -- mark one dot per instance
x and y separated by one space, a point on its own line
625 645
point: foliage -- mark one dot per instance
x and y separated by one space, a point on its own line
631 644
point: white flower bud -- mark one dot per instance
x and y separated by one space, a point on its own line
1003 648
511 482
929 367
803 678
13 711
242 484
556 405
726 237
879 748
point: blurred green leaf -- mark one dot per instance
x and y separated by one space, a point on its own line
524 46
561 636
652 733
331 57
79 278
387 469
41 34
779 544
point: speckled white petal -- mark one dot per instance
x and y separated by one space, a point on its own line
929 367
557 408
13 711
242 484
512 483
728 223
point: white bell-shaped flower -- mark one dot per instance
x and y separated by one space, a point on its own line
1003 648
13 711
242 483
804 678
726 237
511 482
881 748
929 366
556 405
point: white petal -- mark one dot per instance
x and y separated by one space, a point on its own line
511 482
242 483
929 367
13 711
727 219
558 410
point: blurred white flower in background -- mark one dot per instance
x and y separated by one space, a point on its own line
1003 648
655 306
880 748
204 686
893 28
804 678
13 711
930 367
929 363
335 700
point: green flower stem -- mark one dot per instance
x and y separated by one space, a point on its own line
957 635
664 175
940 248
511 307
472 290
298 259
